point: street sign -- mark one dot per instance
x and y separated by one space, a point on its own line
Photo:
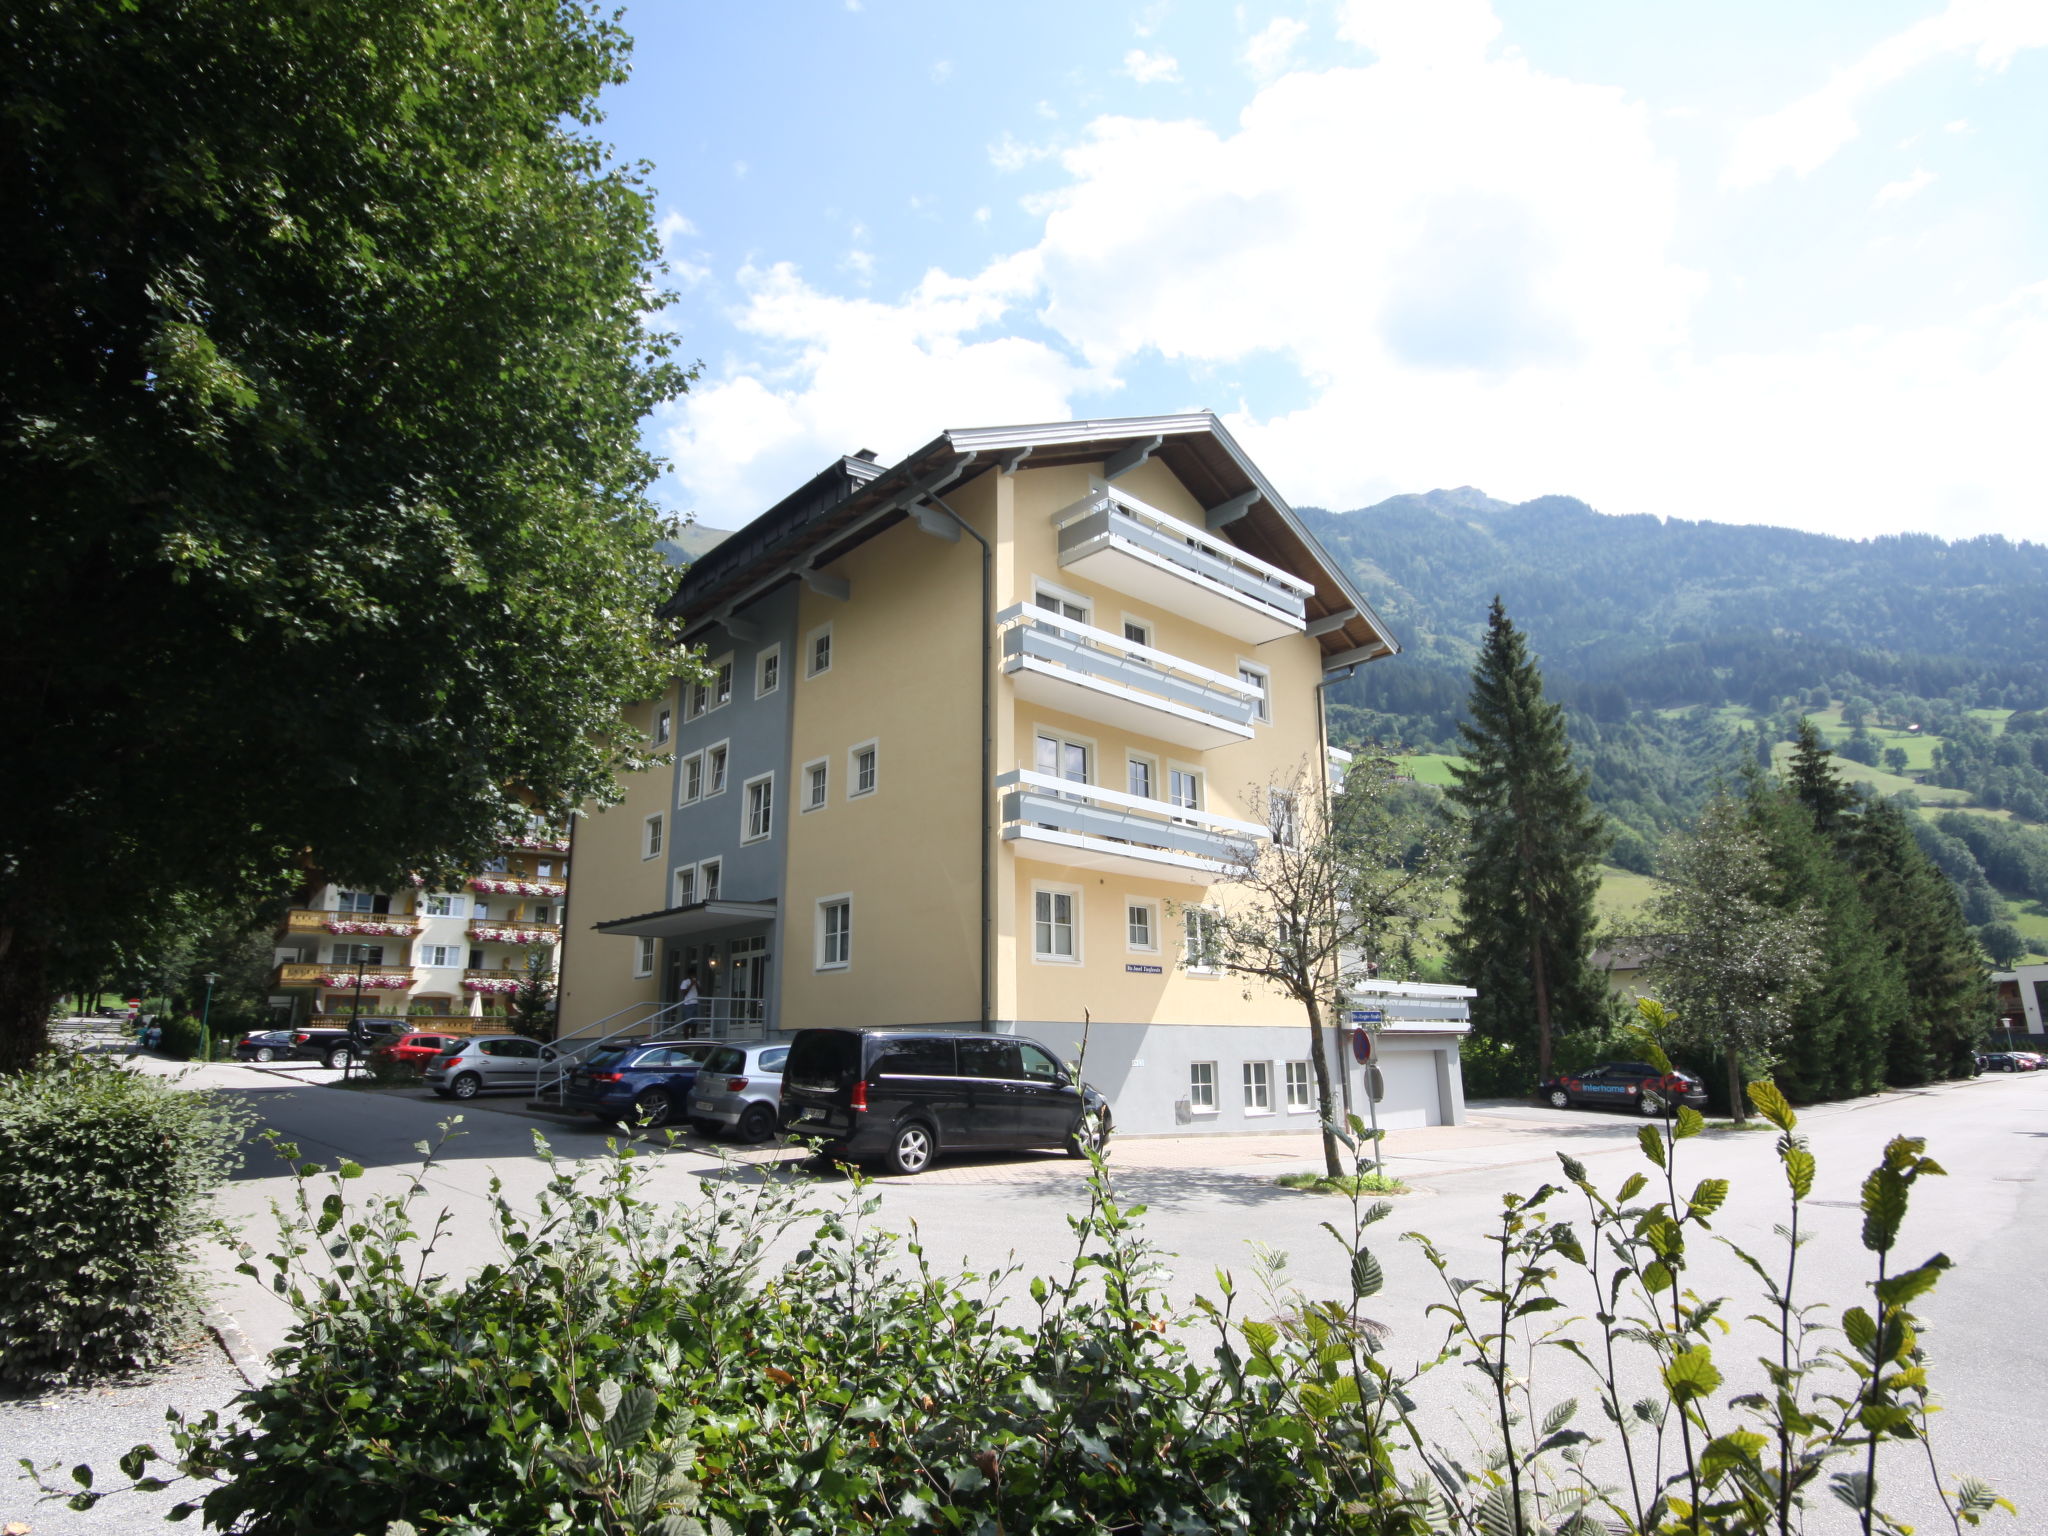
1361 1047
1368 1016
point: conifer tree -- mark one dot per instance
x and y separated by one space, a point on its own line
1920 919
1532 849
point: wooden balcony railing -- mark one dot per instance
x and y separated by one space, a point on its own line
513 930
391 925
333 976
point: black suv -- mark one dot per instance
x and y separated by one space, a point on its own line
903 1096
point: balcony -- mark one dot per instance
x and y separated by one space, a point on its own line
1084 826
387 925
339 975
508 884
493 978
513 930
1070 666
1123 543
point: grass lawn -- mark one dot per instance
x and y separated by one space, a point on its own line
1430 767
1623 893
1994 718
2031 918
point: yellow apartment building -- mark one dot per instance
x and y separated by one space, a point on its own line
982 732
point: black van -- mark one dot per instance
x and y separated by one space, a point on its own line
902 1096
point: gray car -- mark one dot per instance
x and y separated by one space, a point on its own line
739 1089
488 1063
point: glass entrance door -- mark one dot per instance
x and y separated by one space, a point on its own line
749 961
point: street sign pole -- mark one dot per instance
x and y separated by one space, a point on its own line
1364 1048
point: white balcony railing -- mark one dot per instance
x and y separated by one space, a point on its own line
1124 543
1067 665
1088 827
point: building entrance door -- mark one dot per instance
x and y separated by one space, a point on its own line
749 982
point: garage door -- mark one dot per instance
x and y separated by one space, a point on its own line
1411 1096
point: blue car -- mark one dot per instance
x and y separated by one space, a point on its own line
646 1085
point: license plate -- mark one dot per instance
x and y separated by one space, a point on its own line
702 1106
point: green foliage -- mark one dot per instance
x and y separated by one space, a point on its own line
531 1009
326 340
107 1174
1365 1183
2004 943
1532 852
182 1038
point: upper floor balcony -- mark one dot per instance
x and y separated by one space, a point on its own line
1123 543
513 930
1085 826
512 883
344 975
1074 667
369 925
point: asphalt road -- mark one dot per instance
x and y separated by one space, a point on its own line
1211 1206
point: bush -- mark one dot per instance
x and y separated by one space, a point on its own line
106 1176
622 1371
182 1038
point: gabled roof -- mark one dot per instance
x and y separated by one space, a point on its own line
854 499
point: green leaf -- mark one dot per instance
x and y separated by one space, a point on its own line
1652 1142
1884 1208
1366 1276
1691 1374
1902 1289
1690 1123
631 1418
1631 1186
349 1170
1765 1098
1708 1197
1799 1170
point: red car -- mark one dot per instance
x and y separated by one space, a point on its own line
417 1050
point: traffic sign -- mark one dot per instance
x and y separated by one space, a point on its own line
1361 1047
1368 1015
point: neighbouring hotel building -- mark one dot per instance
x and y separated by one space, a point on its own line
981 730
441 960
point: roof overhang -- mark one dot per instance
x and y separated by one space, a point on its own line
851 502
680 922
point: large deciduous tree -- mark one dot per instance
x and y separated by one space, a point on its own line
1344 887
1532 856
325 332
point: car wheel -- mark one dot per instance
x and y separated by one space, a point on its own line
653 1109
757 1124
1650 1106
1082 1136
338 1057
265 1053
1559 1099
911 1151
467 1086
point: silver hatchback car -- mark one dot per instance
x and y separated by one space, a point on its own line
488 1062
739 1089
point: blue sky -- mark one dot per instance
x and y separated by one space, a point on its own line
1777 263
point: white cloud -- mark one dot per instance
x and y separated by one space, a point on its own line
1803 136
1899 191
1468 265
1271 49
1010 153
1151 68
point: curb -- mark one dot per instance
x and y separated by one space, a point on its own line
248 1362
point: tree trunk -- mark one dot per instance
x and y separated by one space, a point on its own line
1326 1104
1541 977
1738 1106
24 998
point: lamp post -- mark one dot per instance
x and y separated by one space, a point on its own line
205 1015
355 1025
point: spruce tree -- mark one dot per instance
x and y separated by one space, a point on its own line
1920 919
1532 851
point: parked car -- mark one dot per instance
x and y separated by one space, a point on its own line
264 1045
739 1089
1999 1061
648 1083
332 1045
415 1050
2030 1061
1632 1085
903 1097
487 1063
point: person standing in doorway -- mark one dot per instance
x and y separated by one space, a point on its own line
687 997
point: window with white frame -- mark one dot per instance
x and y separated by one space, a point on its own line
1140 775
361 901
358 954
439 955
1258 1087
1283 818
664 726
1068 605
444 905
835 933
862 766
721 681
696 699
684 886
1256 677
691 779
760 815
818 651
767 671
1141 927
1055 925
816 784
711 878
1184 788
1301 1088
1200 946
1202 1087
650 838
715 759
1063 757
643 957
1137 631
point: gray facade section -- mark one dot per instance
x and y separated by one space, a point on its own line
755 731
1145 1071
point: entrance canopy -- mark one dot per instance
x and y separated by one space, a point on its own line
697 917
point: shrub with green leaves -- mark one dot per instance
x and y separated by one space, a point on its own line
104 1178
182 1037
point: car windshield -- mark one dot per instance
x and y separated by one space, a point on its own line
823 1059
726 1060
